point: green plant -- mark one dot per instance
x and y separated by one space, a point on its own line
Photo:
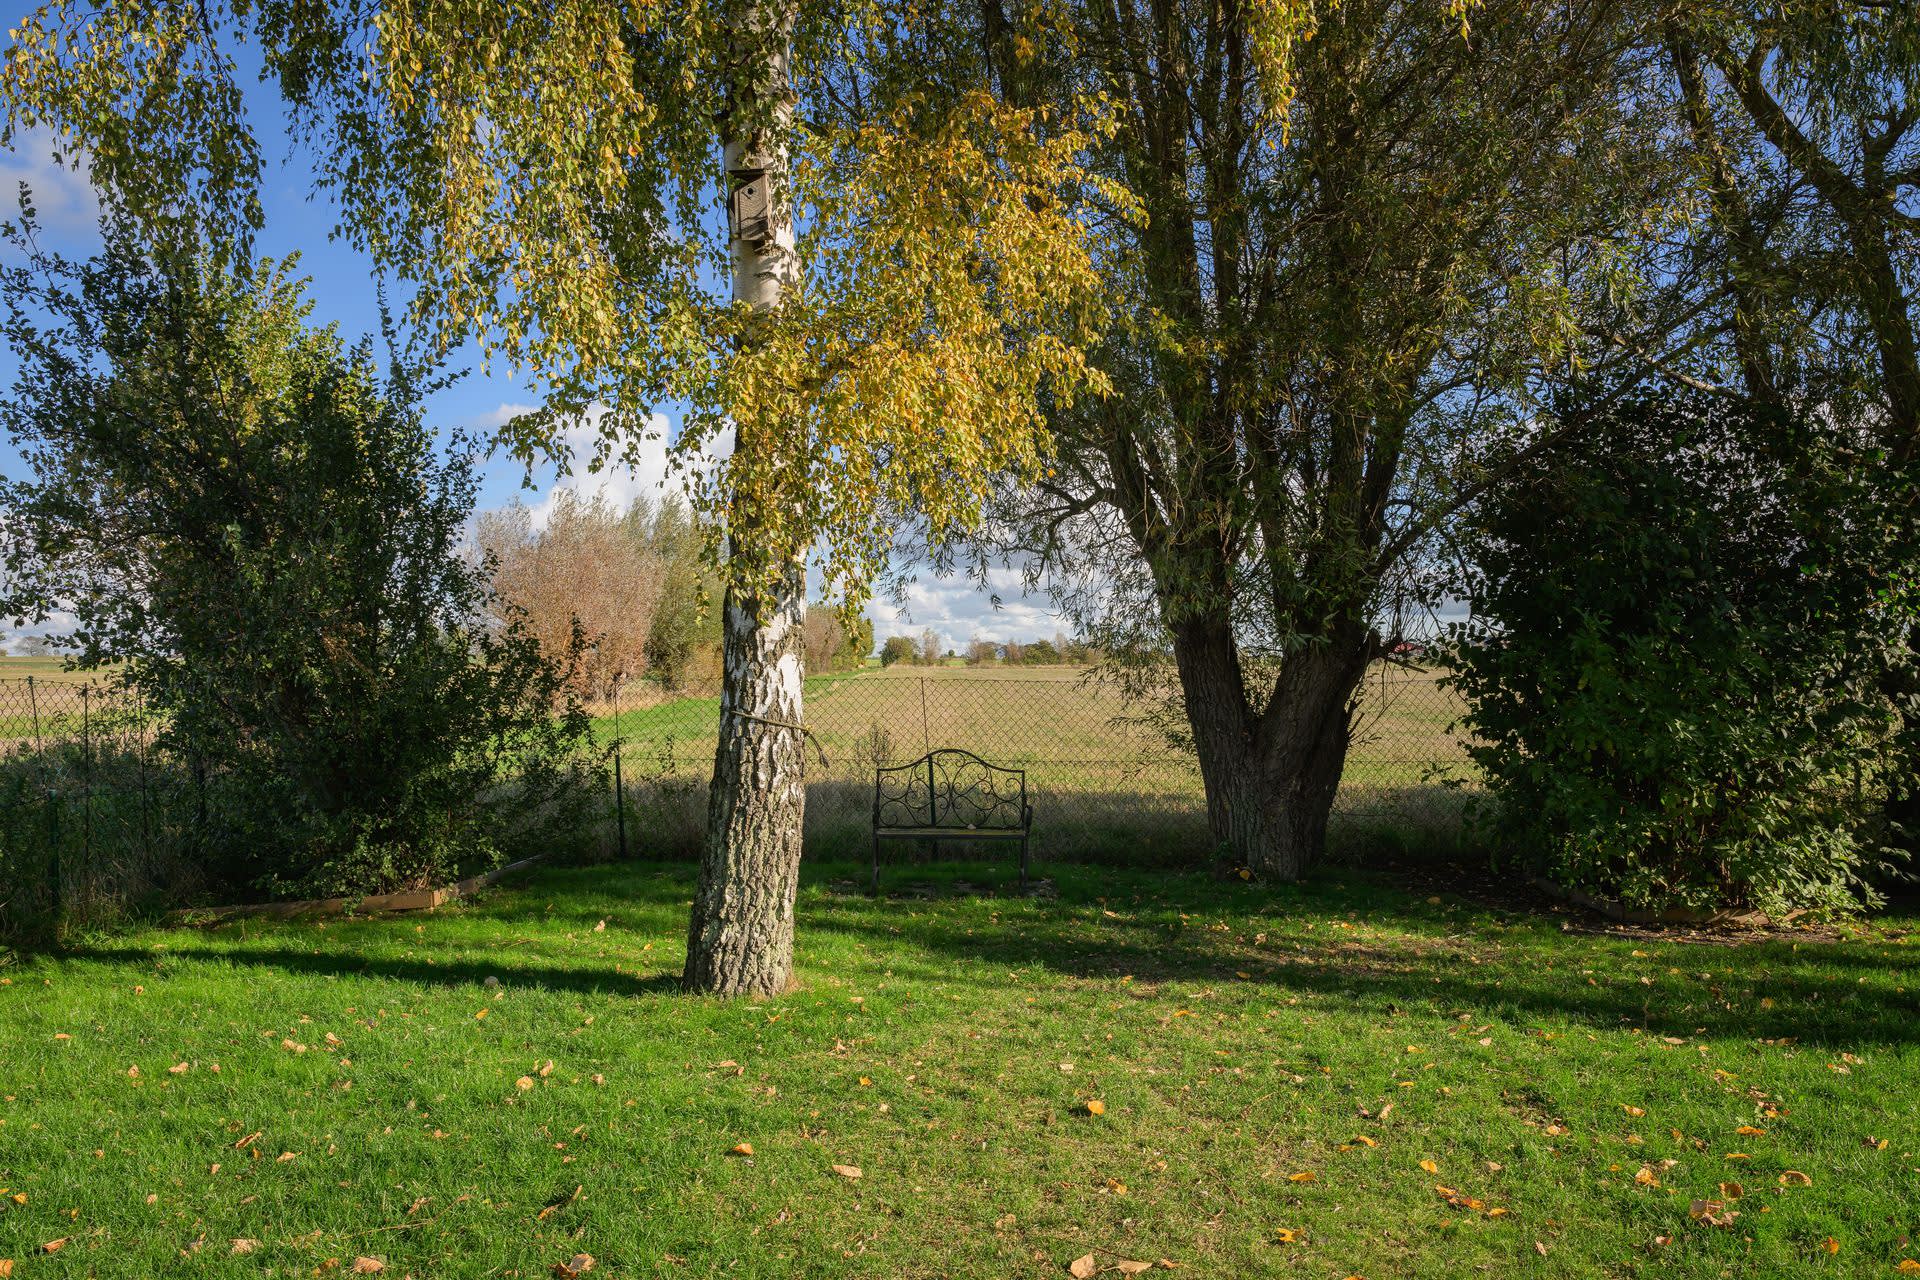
243 510
1681 624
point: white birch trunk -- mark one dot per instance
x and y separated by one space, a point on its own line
740 940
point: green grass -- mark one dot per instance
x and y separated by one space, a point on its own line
1237 1035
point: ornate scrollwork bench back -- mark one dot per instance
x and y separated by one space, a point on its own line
950 794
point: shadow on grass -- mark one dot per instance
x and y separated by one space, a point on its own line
1524 971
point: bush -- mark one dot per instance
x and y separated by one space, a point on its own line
1682 622
265 530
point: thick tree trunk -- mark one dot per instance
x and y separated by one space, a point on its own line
1271 779
740 938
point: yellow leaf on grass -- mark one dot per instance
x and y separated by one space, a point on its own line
480 1016
741 1149
54 1246
1095 1107
365 1266
1304 1176
1128 1267
1634 1111
1083 1267
1430 1166
1750 1131
847 1171
243 1246
1645 1177
1286 1235
1795 1178
1364 1140
1908 1267
523 1083
1830 1245
6 1268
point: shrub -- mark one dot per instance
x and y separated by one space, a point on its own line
1681 624
240 508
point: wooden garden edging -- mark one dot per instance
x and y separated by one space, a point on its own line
410 900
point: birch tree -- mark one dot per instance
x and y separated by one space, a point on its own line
808 224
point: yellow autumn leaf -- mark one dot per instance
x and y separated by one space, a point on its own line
1095 1107
1750 1131
850 1172
1083 1267
1908 1267
1795 1178
741 1149
1430 1166
1304 1176
1286 1235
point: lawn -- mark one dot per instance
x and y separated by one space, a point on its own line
1288 1078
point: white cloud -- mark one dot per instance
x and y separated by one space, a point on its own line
64 197
959 610
648 472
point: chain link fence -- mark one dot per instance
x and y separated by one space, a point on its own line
1105 785
92 817
95 816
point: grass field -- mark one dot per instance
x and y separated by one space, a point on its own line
1287 1078
1101 780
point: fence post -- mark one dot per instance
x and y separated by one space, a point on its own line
926 737
86 775
619 787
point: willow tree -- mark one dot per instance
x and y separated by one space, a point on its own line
1341 277
806 224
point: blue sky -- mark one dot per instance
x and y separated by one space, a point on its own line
341 282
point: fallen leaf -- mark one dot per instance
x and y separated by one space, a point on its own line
1731 1191
1128 1267
601 927
523 1083
244 1246
1634 1111
1645 1177
1306 1176
177 1069
480 1016
365 1266
1908 1267
285 1156
1540 1248
6 1268
252 1137
1430 1166
547 1069
579 1264
848 1171
1795 1178
1083 1267
1749 1131
1095 1107
741 1149
1286 1235
1712 1212
1831 1245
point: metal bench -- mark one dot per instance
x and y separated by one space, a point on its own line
950 794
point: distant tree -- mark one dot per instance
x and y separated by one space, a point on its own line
685 636
32 646
979 651
833 645
929 647
582 568
1041 653
1013 652
898 649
